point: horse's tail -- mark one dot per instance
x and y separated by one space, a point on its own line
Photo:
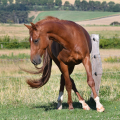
45 70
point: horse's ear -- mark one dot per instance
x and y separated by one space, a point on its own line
33 26
28 26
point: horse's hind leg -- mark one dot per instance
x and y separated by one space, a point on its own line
81 100
91 83
61 91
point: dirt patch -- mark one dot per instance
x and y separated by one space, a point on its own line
34 13
102 28
101 21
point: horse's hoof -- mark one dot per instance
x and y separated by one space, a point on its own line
102 109
86 107
59 107
71 107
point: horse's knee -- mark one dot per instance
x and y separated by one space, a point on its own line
91 82
68 86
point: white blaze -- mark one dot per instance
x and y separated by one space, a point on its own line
31 39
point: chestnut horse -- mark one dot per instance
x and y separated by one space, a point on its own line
67 44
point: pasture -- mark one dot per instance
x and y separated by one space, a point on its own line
18 101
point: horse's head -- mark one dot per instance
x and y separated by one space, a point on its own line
38 43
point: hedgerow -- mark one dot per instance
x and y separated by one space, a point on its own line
11 43
110 43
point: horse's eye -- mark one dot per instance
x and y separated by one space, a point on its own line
36 41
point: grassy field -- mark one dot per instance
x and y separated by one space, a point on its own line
18 101
74 15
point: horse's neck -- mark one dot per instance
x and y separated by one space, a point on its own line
57 31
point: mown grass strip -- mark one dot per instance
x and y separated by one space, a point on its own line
74 15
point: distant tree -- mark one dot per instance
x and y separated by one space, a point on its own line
18 1
31 2
24 1
10 1
111 5
91 5
97 5
104 6
50 3
77 3
4 2
44 2
58 2
66 4
84 5
116 8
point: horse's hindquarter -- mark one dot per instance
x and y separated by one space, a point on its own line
79 45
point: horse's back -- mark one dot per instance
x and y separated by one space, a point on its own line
74 27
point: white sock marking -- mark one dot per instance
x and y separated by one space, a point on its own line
98 104
60 99
84 105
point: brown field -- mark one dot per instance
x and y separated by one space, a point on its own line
101 21
34 13
17 31
20 31
72 1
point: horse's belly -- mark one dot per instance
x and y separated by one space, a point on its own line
70 58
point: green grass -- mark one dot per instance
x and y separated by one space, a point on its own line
48 112
18 101
74 15
12 56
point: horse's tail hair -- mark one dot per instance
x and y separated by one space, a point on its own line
45 70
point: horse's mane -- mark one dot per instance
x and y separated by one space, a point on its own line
45 70
47 62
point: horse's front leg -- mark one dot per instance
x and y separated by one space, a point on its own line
61 91
91 83
68 83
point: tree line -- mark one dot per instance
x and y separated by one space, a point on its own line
18 12
57 5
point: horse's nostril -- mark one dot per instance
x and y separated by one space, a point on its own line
40 60
33 61
37 60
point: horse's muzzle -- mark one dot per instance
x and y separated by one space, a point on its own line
36 60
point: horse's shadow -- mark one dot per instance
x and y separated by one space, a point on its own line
53 105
